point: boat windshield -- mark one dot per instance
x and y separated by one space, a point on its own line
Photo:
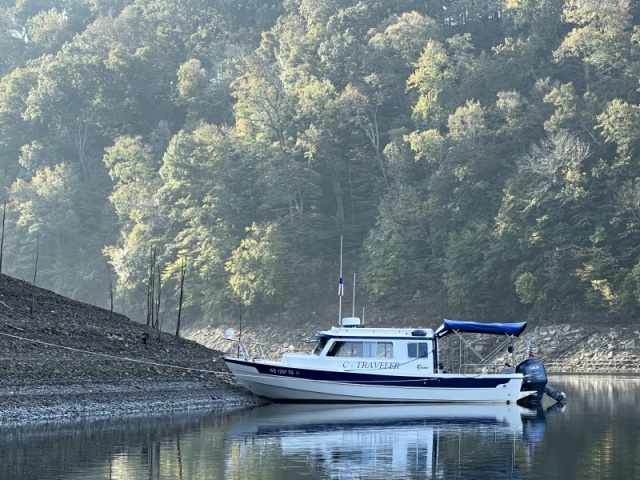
320 346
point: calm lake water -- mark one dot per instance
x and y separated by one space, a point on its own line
595 436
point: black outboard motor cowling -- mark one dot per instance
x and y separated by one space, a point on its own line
535 379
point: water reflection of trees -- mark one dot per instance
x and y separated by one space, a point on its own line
142 447
599 390
596 437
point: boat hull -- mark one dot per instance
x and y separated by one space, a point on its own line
280 382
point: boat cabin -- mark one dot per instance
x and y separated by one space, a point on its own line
355 348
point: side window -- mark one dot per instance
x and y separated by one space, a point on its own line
350 349
418 350
384 350
369 349
361 349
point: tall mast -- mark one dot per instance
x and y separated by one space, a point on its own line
353 305
340 287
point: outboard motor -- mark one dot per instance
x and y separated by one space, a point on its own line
535 379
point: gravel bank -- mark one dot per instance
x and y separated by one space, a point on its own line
37 403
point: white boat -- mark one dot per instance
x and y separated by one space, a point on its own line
351 363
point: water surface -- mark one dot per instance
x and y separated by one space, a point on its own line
593 437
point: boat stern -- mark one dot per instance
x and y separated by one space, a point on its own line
534 380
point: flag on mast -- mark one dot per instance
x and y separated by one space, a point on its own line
341 286
531 349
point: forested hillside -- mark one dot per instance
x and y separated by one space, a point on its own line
482 154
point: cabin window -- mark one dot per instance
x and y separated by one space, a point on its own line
418 350
369 349
361 349
335 349
350 349
384 350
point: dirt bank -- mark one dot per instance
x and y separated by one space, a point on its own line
70 359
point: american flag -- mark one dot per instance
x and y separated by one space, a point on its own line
341 287
531 349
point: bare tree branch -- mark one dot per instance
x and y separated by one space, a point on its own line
554 161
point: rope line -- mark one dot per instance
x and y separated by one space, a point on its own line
127 359
7 306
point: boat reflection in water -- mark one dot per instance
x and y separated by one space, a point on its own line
394 441
534 427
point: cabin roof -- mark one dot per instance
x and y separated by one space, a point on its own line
377 333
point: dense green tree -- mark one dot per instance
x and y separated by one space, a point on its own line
540 210
209 183
46 209
14 131
602 42
134 169
400 265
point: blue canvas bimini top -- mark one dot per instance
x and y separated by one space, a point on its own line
450 326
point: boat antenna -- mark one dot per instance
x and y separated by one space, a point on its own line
340 286
353 305
240 333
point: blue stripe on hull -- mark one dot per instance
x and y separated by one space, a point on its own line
371 378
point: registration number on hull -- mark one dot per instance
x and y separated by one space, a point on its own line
283 371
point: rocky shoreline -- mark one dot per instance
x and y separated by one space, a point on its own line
45 403
589 349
